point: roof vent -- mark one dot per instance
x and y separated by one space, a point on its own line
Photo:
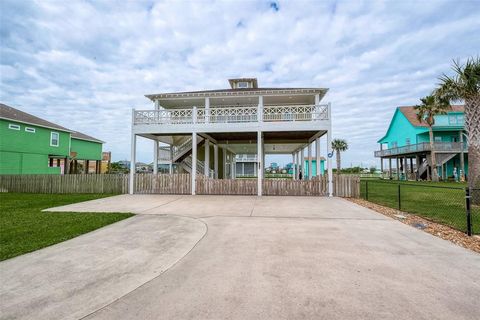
243 83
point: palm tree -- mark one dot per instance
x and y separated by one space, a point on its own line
339 145
465 85
426 112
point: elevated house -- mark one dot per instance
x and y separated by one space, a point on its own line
202 132
407 144
31 145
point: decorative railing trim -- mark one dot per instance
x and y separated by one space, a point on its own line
235 114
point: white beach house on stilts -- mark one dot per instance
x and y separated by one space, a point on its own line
200 132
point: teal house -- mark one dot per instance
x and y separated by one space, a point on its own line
406 144
289 167
31 145
314 167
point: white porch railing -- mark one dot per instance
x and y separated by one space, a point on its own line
237 114
296 113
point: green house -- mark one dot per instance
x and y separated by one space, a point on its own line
31 145
407 144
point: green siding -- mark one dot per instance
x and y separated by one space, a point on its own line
86 150
24 152
27 142
25 163
400 130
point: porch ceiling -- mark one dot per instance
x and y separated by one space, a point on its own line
270 148
278 142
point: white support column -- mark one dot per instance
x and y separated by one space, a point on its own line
318 162
232 167
132 163
260 162
206 170
171 160
155 156
194 161
224 154
215 160
309 161
207 110
297 173
294 163
329 150
302 163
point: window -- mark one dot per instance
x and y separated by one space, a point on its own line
13 126
54 139
408 141
437 139
452 119
242 84
460 119
28 129
394 144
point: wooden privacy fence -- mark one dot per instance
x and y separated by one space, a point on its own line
69 183
205 185
289 187
149 183
346 186
178 183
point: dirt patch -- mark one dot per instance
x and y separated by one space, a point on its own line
436 229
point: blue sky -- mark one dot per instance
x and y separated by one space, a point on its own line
85 64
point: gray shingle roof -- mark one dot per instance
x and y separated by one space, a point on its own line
7 112
11 113
82 136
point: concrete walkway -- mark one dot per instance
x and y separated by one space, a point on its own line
261 258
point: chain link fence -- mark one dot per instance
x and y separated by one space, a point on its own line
456 207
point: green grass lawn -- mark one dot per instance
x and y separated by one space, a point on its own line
25 228
443 202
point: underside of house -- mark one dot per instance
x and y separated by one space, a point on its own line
202 132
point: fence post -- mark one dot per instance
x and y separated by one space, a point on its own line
467 207
399 198
366 190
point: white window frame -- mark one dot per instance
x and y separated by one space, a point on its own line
30 129
437 139
243 85
51 139
13 126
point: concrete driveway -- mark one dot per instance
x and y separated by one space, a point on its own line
209 257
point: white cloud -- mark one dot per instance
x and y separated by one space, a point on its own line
86 64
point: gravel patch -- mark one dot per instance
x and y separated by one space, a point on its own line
436 229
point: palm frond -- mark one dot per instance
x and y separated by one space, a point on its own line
339 145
